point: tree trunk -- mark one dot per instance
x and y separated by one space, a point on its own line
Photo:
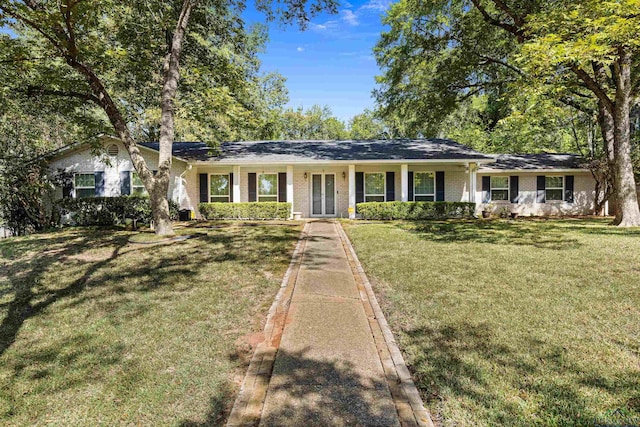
607 128
160 209
624 179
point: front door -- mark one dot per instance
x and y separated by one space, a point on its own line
323 194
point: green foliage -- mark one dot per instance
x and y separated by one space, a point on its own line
367 125
415 210
250 210
314 123
108 211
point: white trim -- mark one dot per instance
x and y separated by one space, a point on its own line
352 191
290 189
93 173
131 183
364 185
323 195
404 183
237 194
508 188
228 186
258 185
414 185
546 199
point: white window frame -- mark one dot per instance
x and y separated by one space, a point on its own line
364 184
258 195
131 192
420 194
230 189
491 188
76 188
546 199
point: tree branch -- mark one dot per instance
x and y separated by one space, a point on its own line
594 87
36 91
511 14
518 32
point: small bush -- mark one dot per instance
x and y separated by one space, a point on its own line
416 210
250 210
111 210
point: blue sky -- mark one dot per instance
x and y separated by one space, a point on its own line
331 62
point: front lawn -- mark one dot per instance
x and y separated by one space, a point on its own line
513 322
104 327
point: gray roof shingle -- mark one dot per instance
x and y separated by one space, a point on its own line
301 151
534 162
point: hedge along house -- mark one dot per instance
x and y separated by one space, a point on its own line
328 178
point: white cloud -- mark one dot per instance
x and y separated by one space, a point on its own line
376 5
300 49
347 5
349 17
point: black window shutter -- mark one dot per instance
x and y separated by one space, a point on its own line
99 188
568 188
440 186
251 181
67 189
282 187
125 183
231 187
410 179
391 186
359 187
204 188
541 187
514 188
486 189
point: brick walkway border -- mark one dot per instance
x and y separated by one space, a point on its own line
247 408
411 409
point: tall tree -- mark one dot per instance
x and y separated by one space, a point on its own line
441 52
314 123
367 125
123 57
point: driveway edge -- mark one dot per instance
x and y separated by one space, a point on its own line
248 405
411 409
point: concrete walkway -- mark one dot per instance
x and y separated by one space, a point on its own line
327 370
328 358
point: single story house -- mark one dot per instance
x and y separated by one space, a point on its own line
328 178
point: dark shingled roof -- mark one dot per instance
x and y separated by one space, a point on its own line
300 151
534 162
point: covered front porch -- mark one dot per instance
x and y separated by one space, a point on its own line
332 189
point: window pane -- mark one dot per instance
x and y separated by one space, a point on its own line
374 183
554 195
135 180
553 181
424 198
219 185
424 183
85 180
499 194
501 182
268 184
374 199
267 198
82 193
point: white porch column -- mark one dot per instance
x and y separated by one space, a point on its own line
404 183
352 191
236 184
473 176
290 188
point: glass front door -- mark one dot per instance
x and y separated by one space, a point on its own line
323 194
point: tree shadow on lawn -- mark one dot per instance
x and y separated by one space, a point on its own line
465 363
304 391
520 233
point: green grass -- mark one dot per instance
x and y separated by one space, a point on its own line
513 322
107 327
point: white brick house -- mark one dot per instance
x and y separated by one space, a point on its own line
328 178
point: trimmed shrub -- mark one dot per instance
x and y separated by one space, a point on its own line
245 210
416 210
111 210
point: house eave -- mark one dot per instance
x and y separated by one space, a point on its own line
231 162
540 170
